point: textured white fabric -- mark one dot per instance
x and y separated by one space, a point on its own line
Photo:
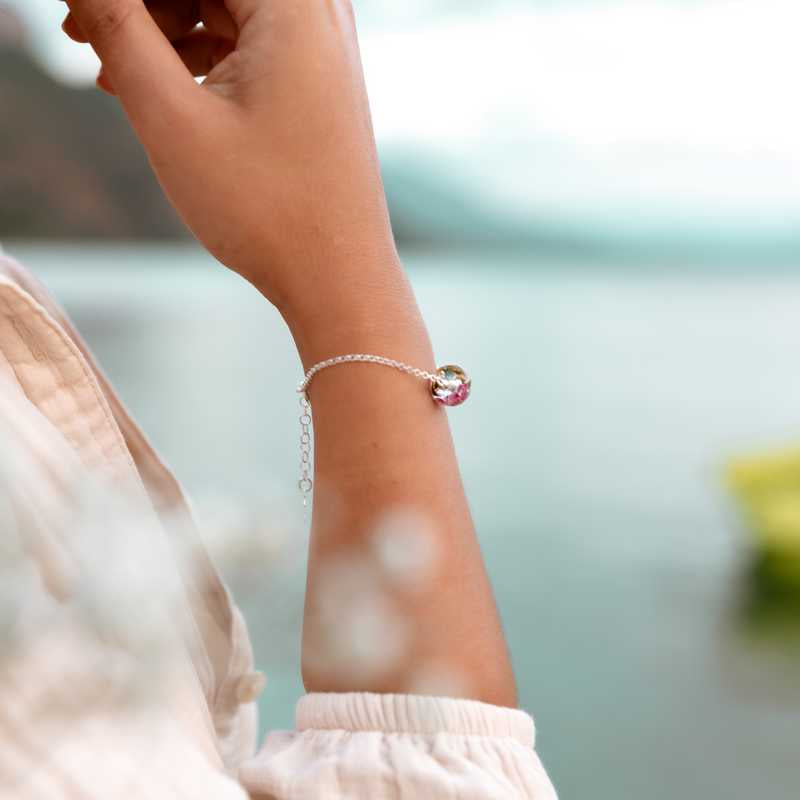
52 374
394 713
399 746
80 490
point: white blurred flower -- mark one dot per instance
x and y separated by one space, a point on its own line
358 631
435 680
405 547
86 566
244 539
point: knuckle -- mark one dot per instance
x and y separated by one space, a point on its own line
109 21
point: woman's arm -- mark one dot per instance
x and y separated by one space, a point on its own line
273 166
383 446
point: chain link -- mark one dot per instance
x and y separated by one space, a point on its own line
367 359
306 483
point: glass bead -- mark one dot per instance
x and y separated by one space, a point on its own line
453 386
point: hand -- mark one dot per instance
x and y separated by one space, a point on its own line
271 161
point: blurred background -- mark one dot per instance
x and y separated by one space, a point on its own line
605 195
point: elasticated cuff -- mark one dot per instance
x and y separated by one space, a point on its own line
393 713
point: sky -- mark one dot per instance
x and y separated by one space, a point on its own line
676 114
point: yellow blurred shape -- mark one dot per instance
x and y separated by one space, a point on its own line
768 487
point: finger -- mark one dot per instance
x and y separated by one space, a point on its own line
175 17
199 51
72 29
242 10
202 51
218 20
147 74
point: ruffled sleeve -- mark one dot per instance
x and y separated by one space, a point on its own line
367 746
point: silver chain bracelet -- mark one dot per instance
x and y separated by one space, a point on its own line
449 386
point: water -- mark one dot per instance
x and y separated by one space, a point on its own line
605 406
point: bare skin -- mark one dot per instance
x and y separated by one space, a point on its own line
272 164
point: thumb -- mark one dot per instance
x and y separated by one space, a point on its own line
147 74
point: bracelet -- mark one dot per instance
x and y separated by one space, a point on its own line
449 386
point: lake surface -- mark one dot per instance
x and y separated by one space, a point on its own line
606 404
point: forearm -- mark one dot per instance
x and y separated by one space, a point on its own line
383 448
272 163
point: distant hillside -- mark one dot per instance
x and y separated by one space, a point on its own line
70 168
69 165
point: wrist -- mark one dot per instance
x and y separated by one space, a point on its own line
369 311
